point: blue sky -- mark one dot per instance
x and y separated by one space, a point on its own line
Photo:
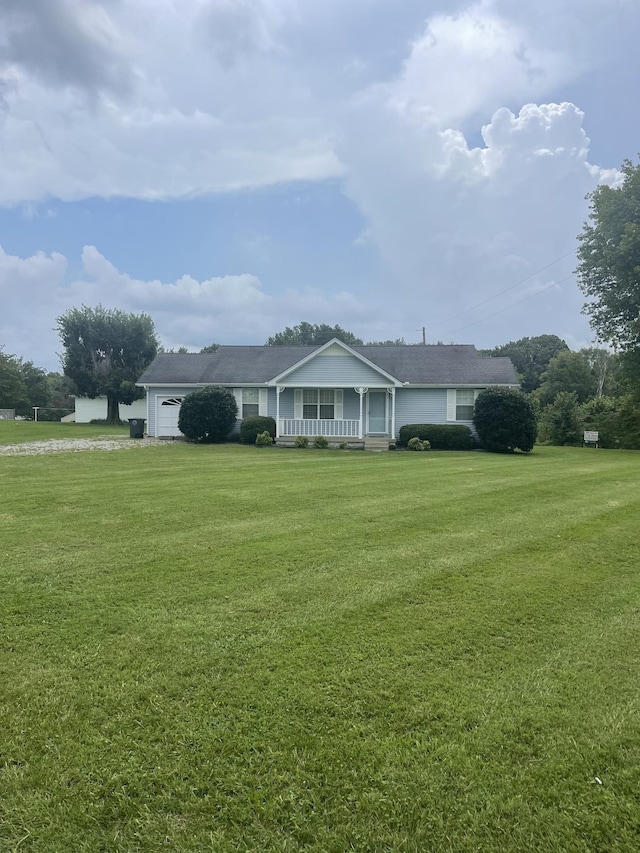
231 167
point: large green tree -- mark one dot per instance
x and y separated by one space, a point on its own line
37 388
13 390
312 334
530 357
609 261
105 351
605 366
570 373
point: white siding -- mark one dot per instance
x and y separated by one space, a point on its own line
332 371
94 410
420 406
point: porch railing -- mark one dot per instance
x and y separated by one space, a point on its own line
328 428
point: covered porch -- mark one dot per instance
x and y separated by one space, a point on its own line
342 414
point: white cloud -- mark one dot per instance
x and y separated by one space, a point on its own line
465 64
457 225
156 99
232 309
160 118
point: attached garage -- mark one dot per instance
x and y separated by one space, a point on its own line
168 411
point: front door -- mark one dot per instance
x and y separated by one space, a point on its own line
377 412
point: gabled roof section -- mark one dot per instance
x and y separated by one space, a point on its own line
435 364
331 345
442 364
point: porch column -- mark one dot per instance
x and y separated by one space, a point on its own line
279 390
361 392
392 391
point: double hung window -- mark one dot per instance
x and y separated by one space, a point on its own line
318 404
464 404
250 402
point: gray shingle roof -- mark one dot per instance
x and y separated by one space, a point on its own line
439 364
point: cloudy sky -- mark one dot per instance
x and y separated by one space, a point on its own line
231 167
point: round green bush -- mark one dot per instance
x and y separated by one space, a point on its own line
264 439
415 444
320 441
208 415
252 426
301 441
505 420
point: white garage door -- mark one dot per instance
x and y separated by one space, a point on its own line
168 411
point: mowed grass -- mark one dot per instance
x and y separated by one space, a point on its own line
232 649
19 432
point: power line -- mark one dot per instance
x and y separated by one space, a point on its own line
511 287
513 304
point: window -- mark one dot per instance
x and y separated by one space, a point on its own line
464 405
318 404
250 402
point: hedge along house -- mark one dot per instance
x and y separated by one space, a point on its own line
342 392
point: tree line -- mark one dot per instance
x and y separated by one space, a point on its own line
24 386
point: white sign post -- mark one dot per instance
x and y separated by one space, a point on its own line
590 437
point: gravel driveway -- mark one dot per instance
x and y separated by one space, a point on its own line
73 445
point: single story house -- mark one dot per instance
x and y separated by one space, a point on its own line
338 391
87 409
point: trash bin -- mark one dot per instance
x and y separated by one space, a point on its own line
136 427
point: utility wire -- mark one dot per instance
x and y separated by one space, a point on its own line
511 286
513 304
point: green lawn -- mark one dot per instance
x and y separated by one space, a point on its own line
18 432
232 649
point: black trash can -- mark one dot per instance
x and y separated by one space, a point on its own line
136 427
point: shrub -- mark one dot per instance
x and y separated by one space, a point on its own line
251 427
320 441
301 441
617 420
561 421
439 436
505 420
415 444
343 445
208 415
264 439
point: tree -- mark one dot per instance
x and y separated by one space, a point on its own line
61 400
211 348
37 388
561 422
208 415
505 420
609 261
567 372
13 391
105 351
310 334
397 342
616 420
530 357
605 366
